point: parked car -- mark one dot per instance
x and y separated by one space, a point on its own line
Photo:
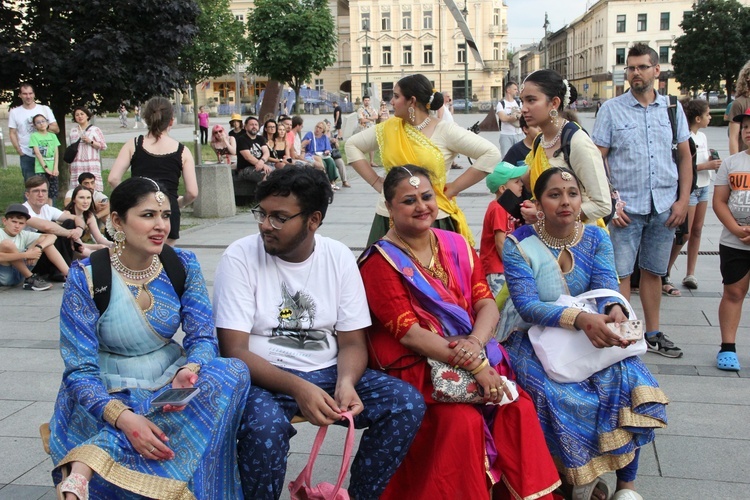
713 98
460 104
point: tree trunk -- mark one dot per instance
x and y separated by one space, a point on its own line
64 179
271 100
196 132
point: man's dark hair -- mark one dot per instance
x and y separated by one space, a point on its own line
84 176
297 121
642 49
311 187
27 85
284 117
507 85
251 118
35 181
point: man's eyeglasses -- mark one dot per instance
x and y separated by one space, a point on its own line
641 68
276 221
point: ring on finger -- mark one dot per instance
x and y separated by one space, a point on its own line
464 351
493 390
152 449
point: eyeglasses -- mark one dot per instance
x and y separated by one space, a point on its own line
276 221
641 68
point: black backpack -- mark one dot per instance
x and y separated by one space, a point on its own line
672 112
101 274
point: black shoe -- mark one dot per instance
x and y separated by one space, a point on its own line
36 283
660 344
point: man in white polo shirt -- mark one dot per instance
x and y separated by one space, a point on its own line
20 127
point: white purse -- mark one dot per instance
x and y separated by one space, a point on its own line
569 356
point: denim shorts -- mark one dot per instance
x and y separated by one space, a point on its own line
9 276
650 235
699 195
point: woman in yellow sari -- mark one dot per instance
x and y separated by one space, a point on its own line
544 96
414 136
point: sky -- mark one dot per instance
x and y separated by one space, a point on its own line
526 17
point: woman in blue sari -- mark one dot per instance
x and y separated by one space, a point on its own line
599 424
107 440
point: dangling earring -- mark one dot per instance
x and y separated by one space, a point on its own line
390 222
540 216
553 116
119 238
412 115
578 217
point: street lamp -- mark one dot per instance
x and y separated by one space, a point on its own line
465 13
366 27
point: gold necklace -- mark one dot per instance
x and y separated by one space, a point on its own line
434 268
557 243
132 274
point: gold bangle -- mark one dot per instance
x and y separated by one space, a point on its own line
113 410
193 367
481 367
568 318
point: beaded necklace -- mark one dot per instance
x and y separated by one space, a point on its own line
551 143
132 274
557 243
424 124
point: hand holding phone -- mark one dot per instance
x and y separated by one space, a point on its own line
629 330
175 397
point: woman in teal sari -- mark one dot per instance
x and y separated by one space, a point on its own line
599 424
107 440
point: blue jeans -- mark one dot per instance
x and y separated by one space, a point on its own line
392 414
699 195
27 166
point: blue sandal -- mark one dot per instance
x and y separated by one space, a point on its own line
728 361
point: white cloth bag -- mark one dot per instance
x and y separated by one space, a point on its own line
569 356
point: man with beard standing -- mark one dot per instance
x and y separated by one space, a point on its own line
634 134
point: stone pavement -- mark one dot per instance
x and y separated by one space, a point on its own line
704 452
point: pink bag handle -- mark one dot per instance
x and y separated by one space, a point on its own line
306 474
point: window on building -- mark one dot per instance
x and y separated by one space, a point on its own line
366 53
621 23
427 20
620 56
240 17
385 21
664 25
642 22
407 55
427 59
496 51
318 84
461 55
406 21
497 17
459 89
387 55
663 55
366 21
386 89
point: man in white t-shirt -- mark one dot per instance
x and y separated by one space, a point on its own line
20 127
292 306
50 220
508 112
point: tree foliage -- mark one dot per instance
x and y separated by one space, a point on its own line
213 51
714 45
93 52
291 40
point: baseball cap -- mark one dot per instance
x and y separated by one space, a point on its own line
17 209
504 172
741 117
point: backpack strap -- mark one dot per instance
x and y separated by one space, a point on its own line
672 113
101 275
569 129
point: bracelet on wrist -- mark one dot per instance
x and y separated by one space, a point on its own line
481 344
40 247
375 181
481 367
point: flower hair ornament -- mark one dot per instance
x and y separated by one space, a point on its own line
566 98
432 96
413 180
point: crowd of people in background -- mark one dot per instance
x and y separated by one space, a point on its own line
298 327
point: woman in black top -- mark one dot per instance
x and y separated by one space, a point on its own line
161 158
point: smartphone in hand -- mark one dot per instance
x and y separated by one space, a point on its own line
175 397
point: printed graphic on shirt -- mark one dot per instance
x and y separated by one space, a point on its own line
739 198
297 321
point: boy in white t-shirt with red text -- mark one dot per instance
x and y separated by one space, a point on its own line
731 203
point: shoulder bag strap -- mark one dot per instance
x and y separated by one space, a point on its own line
672 113
306 474
174 269
605 292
